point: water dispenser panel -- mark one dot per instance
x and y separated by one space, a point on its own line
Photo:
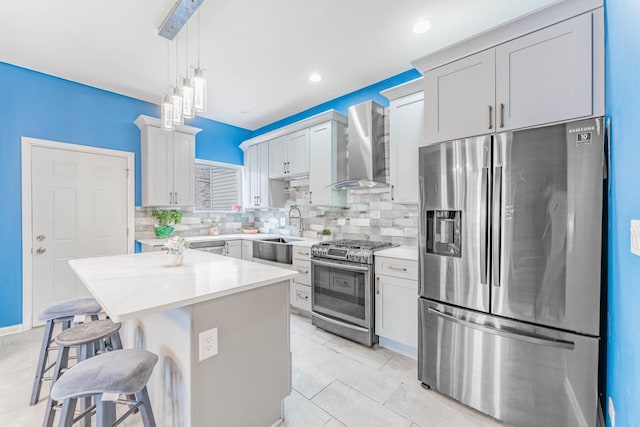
444 233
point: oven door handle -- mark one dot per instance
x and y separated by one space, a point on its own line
338 265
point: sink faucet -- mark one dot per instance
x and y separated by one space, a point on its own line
300 228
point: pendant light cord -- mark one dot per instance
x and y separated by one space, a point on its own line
198 37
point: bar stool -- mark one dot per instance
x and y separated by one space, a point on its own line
64 313
105 377
88 338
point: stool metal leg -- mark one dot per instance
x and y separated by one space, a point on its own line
62 362
42 362
145 409
68 412
105 412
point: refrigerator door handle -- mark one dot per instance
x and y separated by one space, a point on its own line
484 226
496 210
532 339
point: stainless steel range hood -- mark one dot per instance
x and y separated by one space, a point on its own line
365 151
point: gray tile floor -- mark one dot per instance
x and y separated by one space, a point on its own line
335 383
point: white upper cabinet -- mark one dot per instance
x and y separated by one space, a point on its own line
167 163
550 75
545 76
289 155
406 134
278 154
256 172
327 148
460 98
298 161
184 169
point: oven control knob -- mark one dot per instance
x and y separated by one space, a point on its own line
358 256
325 251
350 256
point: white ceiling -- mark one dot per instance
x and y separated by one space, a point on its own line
258 53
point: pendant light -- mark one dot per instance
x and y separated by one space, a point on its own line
166 107
187 88
199 82
176 98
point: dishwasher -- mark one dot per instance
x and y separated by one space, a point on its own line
218 247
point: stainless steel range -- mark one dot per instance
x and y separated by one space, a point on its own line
342 285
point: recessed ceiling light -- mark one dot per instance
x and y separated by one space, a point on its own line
246 112
422 26
315 77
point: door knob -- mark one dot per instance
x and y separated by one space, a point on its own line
41 250
40 238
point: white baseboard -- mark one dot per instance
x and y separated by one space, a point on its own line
10 330
399 347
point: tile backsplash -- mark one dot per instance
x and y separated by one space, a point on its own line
369 215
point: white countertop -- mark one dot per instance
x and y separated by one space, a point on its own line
240 236
400 252
129 286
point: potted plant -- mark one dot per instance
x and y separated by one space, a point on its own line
325 234
164 219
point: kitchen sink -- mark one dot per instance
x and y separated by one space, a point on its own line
280 240
275 249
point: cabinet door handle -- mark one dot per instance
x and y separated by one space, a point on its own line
175 196
393 267
284 167
310 197
259 200
501 115
303 253
288 171
490 116
377 285
171 197
302 270
393 187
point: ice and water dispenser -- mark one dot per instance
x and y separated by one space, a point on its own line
444 233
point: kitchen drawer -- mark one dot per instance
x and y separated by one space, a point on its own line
300 296
304 268
395 267
302 253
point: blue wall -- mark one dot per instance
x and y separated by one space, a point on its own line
41 106
623 107
342 103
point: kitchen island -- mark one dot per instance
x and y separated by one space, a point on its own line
241 307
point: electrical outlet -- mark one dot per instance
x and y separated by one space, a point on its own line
612 413
208 343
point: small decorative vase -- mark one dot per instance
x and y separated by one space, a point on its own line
326 238
213 231
163 231
176 259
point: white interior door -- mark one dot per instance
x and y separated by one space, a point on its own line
79 209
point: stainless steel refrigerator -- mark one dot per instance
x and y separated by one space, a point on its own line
510 259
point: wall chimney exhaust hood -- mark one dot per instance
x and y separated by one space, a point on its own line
366 149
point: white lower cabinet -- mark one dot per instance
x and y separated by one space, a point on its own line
396 301
233 249
247 250
300 298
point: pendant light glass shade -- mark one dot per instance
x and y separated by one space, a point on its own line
199 83
166 113
176 101
187 99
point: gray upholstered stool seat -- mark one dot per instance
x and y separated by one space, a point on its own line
88 338
116 372
63 313
87 333
70 307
